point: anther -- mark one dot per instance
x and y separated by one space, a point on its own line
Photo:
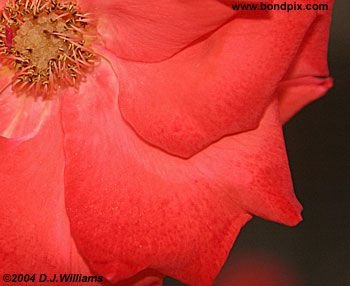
44 41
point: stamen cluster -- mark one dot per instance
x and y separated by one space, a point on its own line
46 42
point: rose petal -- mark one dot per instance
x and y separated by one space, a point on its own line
153 30
308 76
21 117
5 77
297 93
34 228
133 207
217 87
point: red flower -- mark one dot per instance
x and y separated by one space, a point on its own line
167 149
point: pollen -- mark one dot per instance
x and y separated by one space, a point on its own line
47 45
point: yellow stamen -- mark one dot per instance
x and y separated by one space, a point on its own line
42 40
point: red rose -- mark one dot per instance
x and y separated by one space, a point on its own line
171 144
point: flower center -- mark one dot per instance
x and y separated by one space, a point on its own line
46 42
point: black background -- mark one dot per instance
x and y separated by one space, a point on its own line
317 139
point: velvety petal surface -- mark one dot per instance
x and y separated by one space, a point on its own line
153 30
216 87
308 77
34 227
133 207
